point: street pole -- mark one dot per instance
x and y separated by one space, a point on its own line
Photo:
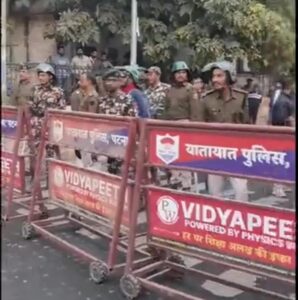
134 29
3 48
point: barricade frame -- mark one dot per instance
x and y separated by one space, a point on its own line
134 279
21 150
99 268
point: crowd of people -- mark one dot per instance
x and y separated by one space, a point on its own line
139 92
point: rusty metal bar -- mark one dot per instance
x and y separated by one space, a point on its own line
60 242
162 272
135 198
161 124
148 268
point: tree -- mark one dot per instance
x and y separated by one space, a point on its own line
260 30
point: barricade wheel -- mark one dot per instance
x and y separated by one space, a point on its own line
175 274
27 231
130 286
44 215
158 253
99 271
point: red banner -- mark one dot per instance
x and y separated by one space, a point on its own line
254 233
19 177
89 134
90 190
264 155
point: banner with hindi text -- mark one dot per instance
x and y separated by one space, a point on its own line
260 155
241 230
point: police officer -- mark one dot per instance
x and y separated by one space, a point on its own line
181 104
115 102
24 89
156 91
85 98
45 95
224 104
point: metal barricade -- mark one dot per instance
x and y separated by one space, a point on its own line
88 198
15 141
248 237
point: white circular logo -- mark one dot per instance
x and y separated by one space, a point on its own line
167 210
58 177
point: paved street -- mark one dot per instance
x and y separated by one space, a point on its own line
37 270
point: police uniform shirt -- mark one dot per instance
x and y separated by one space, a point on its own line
213 108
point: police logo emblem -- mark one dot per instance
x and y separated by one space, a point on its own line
167 148
57 131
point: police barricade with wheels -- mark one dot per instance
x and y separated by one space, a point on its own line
89 199
241 235
15 141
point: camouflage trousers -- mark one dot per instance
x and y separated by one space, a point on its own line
36 128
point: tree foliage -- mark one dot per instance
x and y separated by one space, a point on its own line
261 30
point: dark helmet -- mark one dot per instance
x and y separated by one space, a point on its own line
179 66
132 71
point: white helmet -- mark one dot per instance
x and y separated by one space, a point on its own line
46 68
223 65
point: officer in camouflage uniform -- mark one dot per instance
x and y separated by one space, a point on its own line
24 89
116 103
224 104
45 95
181 104
156 92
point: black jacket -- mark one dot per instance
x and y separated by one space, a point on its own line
282 109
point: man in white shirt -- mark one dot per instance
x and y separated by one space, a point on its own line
80 63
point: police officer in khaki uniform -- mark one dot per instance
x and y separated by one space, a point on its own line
25 87
224 104
181 101
85 98
181 104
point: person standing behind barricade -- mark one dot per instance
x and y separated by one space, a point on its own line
181 104
115 103
80 64
224 104
254 101
156 92
85 99
45 95
61 64
282 111
24 90
199 87
129 81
